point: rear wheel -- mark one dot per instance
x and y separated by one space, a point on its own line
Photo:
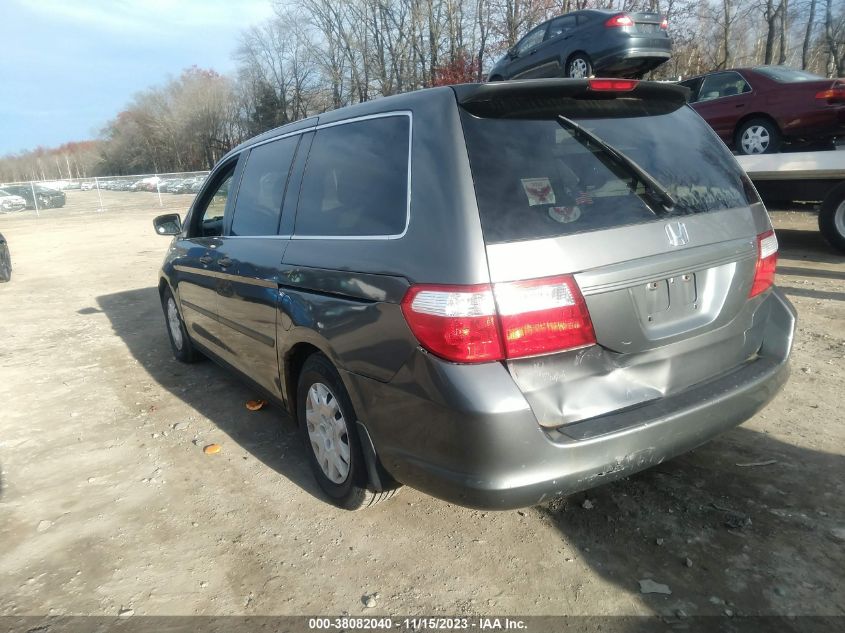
579 67
180 342
832 218
328 425
758 136
44 202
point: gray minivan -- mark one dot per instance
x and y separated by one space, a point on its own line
494 293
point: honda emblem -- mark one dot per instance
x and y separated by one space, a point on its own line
677 234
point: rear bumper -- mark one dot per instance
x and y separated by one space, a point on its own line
637 52
466 434
823 123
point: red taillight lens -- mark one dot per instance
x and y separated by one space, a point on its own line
542 316
613 85
836 94
619 20
458 323
471 324
664 24
767 261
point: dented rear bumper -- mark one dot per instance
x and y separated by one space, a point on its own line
466 433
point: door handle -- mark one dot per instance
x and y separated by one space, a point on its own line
740 105
206 260
224 262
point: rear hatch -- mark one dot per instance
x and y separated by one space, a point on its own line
667 285
647 23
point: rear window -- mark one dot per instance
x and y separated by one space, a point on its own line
534 180
786 75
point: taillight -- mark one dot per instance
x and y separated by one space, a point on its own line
767 261
542 316
836 94
619 20
469 324
612 85
664 24
458 323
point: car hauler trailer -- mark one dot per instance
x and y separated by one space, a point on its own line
806 177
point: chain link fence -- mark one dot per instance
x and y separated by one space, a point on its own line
167 191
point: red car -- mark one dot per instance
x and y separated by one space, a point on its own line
756 110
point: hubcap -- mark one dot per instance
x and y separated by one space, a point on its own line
839 219
173 323
755 140
578 68
327 432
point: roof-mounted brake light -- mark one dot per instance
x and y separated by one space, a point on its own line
613 85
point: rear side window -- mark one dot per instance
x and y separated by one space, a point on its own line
259 203
534 180
356 180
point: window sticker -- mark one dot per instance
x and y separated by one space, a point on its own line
564 215
539 191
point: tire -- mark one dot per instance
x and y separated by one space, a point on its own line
43 203
327 423
180 343
832 218
5 262
758 136
579 66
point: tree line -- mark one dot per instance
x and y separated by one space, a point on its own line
317 55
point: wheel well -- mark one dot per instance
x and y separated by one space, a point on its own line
294 361
575 54
749 117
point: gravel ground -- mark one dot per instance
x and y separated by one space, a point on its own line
108 502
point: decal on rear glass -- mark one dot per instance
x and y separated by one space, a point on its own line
539 191
564 215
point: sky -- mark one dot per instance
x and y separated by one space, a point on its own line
69 66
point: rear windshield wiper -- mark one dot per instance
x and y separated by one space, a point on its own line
655 190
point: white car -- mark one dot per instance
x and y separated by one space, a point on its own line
11 202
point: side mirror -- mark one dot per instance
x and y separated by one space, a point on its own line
168 224
512 52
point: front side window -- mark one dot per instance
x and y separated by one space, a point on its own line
531 40
259 203
693 85
209 222
356 180
723 85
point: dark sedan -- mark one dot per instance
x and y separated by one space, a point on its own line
586 43
47 198
757 110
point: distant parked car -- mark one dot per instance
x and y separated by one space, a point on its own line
586 43
5 260
757 110
86 186
10 201
47 198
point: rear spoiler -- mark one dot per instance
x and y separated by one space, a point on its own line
541 98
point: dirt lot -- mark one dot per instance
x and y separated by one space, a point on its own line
105 506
